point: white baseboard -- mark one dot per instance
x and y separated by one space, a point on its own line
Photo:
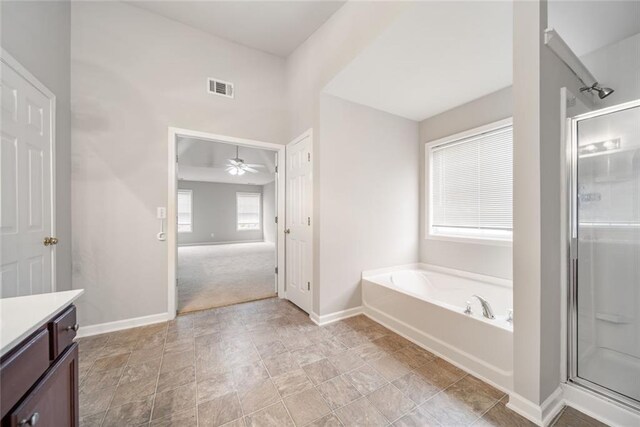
233 242
118 325
602 409
335 316
541 415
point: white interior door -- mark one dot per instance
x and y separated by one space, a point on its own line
25 192
298 226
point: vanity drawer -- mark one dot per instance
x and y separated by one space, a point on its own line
22 368
53 401
63 330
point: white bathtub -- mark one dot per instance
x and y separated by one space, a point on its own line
427 303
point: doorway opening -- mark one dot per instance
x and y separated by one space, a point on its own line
225 238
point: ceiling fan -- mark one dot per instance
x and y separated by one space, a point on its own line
237 166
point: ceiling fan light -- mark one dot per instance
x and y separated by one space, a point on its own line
233 171
240 171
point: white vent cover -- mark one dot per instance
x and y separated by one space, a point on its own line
219 87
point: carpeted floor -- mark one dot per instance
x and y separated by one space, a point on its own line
217 275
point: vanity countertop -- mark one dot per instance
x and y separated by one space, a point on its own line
21 316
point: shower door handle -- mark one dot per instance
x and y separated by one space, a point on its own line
287 231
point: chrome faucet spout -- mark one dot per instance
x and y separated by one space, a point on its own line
486 307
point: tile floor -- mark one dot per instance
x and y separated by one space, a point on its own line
266 364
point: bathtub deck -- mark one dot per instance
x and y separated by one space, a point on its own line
266 363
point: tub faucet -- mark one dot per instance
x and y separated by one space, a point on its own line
486 307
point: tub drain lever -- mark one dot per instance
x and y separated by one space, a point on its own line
468 309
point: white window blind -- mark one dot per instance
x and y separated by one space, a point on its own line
248 211
185 215
472 186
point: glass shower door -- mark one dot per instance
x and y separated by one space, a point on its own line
607 234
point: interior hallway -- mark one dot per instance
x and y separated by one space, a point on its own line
266 364
212 276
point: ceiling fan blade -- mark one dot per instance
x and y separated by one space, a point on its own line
253 165
234 162
248 169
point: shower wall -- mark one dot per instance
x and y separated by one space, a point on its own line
609 251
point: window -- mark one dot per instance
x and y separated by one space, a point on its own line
248 211
471 184
185 217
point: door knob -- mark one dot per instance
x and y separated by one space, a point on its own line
31 421
50 241
287 231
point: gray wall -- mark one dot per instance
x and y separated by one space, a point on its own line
214 212
491 260
368 187
37 34
269 212
135 74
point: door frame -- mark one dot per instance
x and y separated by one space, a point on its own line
171 226
11 62
572 257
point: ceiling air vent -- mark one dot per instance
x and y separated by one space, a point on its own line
219 87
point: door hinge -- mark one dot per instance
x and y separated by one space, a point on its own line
308 220
308 157
308 286
276 220
276 270
276 169
176 158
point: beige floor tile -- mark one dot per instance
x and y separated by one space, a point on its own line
365 379
306 406
97 380
138 371
306 355
186 418
180 345
474 395
129 414
361 413
390 367
437 376
173 361
320 371
338 392
176 378
272 348
419 417
146 354
370 351
94 420
500 416
573 418
95 401
172 401
448 410
346 361
280 364
330 420
214 387
390 402
292 382
219 411
415 388
249 375
275 415
110 362
258 396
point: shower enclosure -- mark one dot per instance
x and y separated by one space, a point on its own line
604 288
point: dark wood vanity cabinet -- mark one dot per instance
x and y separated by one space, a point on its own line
39 377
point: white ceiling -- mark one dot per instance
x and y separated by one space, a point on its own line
276 27
202 160
436 56
589 25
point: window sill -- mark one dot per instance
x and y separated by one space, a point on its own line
470 240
